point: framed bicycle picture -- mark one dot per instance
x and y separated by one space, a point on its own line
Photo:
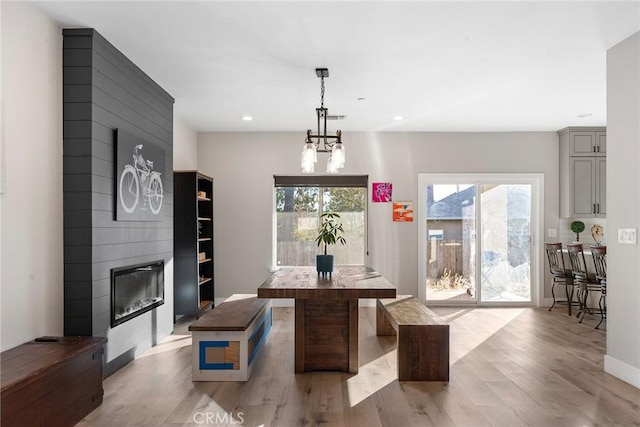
138 179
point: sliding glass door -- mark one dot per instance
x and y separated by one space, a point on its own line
450 241
505 245
476 240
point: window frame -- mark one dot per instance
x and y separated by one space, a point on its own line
322 182
536 180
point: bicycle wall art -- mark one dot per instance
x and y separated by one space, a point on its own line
139 179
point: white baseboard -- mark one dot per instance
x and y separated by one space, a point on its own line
625 372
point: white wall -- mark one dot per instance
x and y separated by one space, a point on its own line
185 145
32 283
243 164
623 204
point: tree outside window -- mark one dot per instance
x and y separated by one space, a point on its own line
298 211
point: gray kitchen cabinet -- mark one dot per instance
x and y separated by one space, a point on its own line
583 166
586 143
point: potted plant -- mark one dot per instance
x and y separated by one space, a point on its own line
577 227
329 233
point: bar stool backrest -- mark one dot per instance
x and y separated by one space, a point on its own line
556 261
600 261
578 263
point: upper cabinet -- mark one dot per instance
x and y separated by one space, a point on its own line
583 166
584 143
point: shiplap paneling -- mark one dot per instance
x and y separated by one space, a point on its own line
104 91
77 93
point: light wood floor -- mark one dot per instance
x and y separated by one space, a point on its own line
509 367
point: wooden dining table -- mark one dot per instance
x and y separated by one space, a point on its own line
326 312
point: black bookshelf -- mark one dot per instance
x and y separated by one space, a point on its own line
193 274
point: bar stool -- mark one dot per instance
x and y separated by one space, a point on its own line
584 280
600 262
561 276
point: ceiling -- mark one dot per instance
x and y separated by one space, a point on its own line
442 66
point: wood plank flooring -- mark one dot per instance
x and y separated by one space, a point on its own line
509 367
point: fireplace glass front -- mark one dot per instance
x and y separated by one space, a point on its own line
136 289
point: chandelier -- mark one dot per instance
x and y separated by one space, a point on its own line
321 142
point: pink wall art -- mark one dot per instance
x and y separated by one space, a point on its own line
381 192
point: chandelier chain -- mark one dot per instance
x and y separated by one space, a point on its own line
321 92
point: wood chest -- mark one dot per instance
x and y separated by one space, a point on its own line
53 383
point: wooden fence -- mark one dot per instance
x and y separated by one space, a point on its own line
446 254
304 253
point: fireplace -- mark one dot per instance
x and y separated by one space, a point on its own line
136 289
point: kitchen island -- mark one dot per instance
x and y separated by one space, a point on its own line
326 312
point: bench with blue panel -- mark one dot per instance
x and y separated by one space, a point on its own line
227 339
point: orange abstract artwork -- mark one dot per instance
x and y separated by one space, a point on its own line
403 211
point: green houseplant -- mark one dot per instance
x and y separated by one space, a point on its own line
577 227
330 232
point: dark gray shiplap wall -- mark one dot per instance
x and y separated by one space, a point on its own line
104 91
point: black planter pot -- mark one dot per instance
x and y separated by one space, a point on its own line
324 265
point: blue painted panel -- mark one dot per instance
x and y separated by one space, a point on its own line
268 319
212 366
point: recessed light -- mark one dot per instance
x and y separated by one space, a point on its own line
247 118
584 115
361 98
398 118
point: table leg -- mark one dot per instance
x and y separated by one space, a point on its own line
569 296
299 335
353 336
326 335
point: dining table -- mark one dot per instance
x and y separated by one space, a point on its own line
326 312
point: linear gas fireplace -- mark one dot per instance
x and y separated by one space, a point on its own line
136 289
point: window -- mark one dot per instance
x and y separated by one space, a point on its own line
299 202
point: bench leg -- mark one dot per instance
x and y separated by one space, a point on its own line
383 326
423 353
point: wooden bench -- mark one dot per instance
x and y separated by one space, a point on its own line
422 338
225 340
54 381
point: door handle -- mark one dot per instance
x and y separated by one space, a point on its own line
594 208
598 207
